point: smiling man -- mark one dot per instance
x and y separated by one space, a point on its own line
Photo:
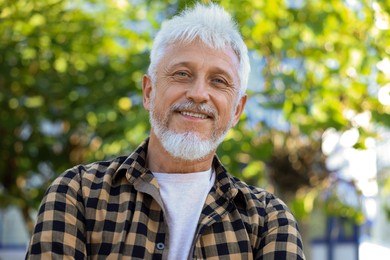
172 198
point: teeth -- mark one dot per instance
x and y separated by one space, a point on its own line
194 115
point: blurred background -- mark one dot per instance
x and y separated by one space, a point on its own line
315 130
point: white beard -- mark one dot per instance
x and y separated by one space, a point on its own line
188 145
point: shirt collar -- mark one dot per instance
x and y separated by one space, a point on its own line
225 183
134 167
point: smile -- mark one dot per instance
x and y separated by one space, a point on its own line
201 116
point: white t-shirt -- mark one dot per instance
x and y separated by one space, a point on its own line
183 196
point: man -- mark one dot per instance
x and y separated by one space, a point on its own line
172 198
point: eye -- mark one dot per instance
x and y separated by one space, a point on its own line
182 74
219 81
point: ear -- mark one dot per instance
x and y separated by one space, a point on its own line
146 91
239 109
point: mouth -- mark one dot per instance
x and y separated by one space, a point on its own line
194 111
194 114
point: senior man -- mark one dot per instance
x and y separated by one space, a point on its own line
172 198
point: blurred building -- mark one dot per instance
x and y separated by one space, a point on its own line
13 234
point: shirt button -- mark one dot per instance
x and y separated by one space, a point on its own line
160 246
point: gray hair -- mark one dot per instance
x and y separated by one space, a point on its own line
213 26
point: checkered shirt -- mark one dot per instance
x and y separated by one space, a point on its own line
113 210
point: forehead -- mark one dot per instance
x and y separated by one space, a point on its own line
201 56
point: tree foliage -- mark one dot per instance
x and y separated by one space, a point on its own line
325 65
70 87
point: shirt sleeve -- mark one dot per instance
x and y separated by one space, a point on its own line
59 232
280 237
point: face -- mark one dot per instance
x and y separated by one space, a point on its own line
194 100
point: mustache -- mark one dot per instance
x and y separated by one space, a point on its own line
195 107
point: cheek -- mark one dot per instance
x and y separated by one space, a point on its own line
225 104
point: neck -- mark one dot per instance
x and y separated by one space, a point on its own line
159 160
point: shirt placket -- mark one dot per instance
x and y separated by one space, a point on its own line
147 184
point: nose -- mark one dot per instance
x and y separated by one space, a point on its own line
198 92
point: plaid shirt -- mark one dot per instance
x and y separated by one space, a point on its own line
113 209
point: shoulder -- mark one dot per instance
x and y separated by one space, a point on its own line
258 199
89 174
255 200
